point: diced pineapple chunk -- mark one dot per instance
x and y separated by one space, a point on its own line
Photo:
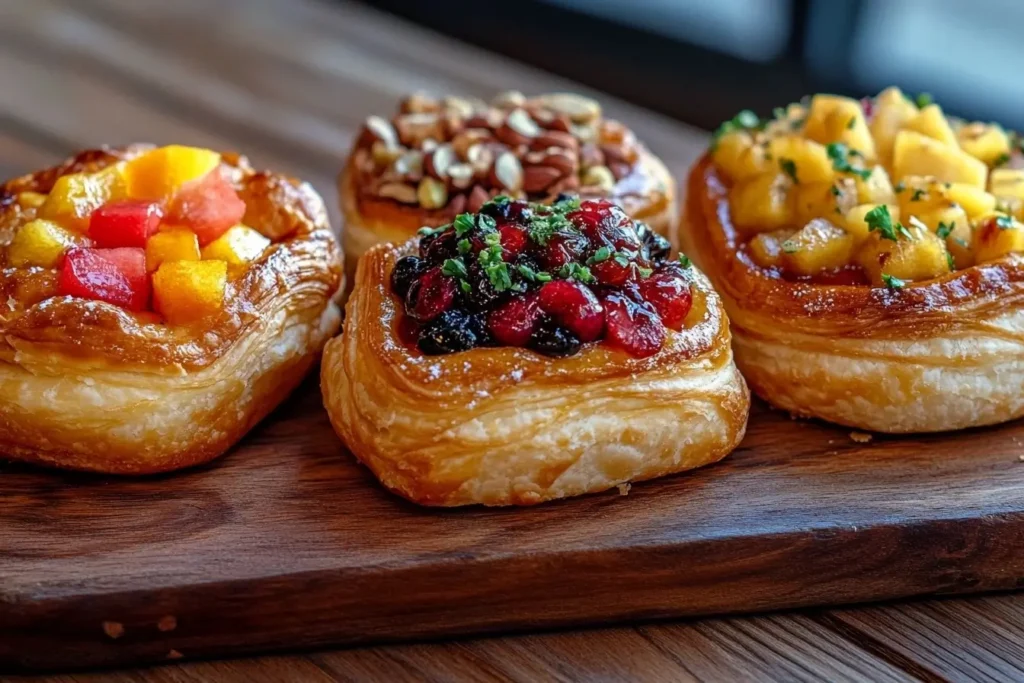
75 196
856 225
959 244
766 247
740 156
31 200
988 142
839 119
159 173
177 244
934 218
996 236
186 291
764 202
810 158
239 245
39 243
822 200
916 154
931 122
1007 183
876 188
922 256
817 247
892 110
974 200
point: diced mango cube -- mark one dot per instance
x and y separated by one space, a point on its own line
917 154
822 200
766 247
931 122
809 158
817 247
186 291
171 245
839 119
75 196
988 142
239 245
740 157
763 202
39 243
159 173
922 256
974 200
876 188
996 236
892 110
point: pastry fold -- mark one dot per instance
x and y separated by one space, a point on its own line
87 385
506 426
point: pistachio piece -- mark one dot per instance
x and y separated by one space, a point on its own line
508 172
400 192
432 193
382 130
578 108
509 99
599 177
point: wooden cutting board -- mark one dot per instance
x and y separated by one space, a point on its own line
287 542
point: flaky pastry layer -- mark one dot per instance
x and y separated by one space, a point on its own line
87 385
939 355
506 426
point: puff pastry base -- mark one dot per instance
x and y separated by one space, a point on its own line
941 355
506 426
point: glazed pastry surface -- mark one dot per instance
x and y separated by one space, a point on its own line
93 385
875 339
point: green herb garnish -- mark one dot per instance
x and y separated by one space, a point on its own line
945 229
1001 160
880 220
839 154
950 262
745 120
455 268
1004 222
464 246
917 194
790 247
575 271
923 100
684 260
899 187
851 123
463 223
788 167
427 230
892 282
602 254
532 275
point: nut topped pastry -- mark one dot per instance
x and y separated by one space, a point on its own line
159 302
869 253
530 352
437 158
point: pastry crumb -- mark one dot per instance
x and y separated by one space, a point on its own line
624 488
174 654
114 629
861 437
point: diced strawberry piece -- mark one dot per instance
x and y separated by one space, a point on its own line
513 240
575 307
670 295
207 207
514 323
127 223
634 327
117 276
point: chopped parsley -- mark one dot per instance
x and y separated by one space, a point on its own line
745 120
685 261
1004 222
950 262
851 123
893 282
917 194
788 167
645 272
464 246
1001 160
493 265
945 229
602 254
427 230
836 192
880 220
923 100
575 271
544 226
455 268
840 155
899 187
790 247
622 258
463 223
532 275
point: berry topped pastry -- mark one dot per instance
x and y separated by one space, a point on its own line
869 254
438 158
532 351
159 302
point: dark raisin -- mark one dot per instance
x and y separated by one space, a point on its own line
551 339
439 247
407 271
449 332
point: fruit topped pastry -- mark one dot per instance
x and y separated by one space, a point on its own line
877 231
137 281
438 158
532 351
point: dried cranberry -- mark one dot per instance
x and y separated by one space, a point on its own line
669 293
406 271
551 339
563 248
430 296
573 306
633 327
439 246
513 324
449 332
513 239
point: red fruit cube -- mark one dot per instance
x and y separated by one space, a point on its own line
208 207
633 327
574 306
117 276
127 223
670 295
514 323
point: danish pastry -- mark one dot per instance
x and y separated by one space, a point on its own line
531 352
869 255
157 303
438 158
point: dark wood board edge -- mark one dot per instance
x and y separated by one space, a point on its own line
464 595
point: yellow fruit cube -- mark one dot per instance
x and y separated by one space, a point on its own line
892 110
766 247
171 245
817 247
839 119
75 196
239 245
31 200
159 173
1007 183
740 156
932 123
996 236
822 200
917 154
39 243
922 256
764 202
974 200
809 158
959 243
988 142
876 188
186 291
856 225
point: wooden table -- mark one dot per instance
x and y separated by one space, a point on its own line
289 82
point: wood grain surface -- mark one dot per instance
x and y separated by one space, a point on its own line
286 543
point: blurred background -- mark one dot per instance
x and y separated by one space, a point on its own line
703 60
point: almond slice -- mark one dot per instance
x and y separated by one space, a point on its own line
508 172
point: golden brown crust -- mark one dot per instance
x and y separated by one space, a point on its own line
937 355
88 385
502 426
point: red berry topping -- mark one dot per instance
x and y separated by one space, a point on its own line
614 273
117 276
207 207
430 296
575 307
513 240
633 327
669 293
126 223
563 249
514 323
